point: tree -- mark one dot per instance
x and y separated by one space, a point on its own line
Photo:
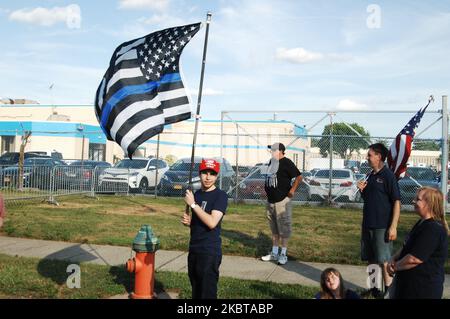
426 145
170 159
25 139
385 142
343 141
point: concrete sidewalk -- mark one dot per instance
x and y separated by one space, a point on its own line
294 272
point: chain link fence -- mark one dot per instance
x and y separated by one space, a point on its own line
331 169
331 164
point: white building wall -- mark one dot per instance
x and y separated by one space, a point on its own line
176 140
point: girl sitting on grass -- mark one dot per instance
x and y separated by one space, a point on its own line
332 286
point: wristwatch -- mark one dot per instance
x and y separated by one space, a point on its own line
193 205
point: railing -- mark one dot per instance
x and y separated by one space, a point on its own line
48 183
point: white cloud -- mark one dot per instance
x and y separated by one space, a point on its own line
160 5
349 105
163 20
298 55
71 15
302 56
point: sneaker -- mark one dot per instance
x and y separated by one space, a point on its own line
377 293
269 257
282 259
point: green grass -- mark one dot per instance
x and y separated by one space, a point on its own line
32 278
320 234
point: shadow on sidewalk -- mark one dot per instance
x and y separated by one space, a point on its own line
314 273
54 266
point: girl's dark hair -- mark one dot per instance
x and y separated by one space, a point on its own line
325 293
379 148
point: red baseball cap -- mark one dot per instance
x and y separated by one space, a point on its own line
209 164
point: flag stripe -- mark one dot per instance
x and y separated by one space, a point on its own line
131 90
168 104
400 149
126 64
124 83
169 95
130 46
99 101
135 120
123 93
144 137
130 111
156 123
142 89
130 55
171 112
170 86
166 80
124 74
129 100
178 117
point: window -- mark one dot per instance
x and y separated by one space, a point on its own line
158 163
7 144
97 152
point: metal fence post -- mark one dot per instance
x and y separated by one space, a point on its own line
128 182
94 174
444 148
156 172
221 147
237 165
331 159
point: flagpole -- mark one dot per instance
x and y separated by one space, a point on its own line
199 100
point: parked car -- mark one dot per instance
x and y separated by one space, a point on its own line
343 186
242 170
176 180
136 175
415 178
353 165
80 175
359 177
364 168
37 173
303 192
252 187
12 158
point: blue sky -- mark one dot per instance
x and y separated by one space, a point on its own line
262 54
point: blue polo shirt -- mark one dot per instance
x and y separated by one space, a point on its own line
379 196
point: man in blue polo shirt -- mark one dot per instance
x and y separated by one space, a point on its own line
381 212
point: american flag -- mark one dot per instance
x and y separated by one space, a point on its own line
401 147
142 90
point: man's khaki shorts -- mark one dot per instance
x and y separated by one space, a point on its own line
280 215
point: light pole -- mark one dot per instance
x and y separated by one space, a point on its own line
80 128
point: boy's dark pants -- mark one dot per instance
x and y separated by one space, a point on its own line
203 273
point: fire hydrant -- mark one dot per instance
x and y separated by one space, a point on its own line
145 245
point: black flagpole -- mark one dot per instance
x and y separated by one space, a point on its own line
197 114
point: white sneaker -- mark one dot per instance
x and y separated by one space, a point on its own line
269 257
282 259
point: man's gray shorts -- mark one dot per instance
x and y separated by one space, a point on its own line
280 215
375 246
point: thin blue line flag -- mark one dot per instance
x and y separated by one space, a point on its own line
142 89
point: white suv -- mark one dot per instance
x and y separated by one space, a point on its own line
138 175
